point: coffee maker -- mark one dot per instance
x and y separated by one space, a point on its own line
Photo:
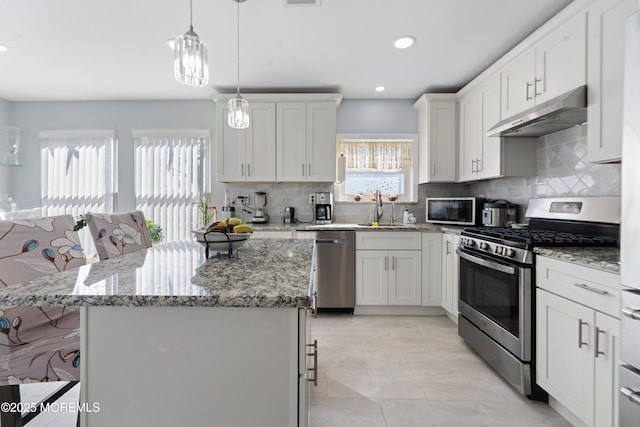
323 209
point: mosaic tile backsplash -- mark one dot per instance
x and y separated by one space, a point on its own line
562 171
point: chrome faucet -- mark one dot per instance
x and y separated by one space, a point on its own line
377 207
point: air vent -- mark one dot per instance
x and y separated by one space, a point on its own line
293 3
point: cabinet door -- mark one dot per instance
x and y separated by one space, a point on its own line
565 353
605 77
231 149
561 60
607 360
261 143
431 269
321 142
470 136
405 278
447 272
455 275
489 162
517 84
290 141
372 278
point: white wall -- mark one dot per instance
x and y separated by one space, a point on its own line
5 175
123 116
374 116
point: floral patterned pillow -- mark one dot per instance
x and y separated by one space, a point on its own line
32 248
118 234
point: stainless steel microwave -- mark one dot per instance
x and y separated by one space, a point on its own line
454 210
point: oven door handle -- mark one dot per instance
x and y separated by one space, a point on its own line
486 263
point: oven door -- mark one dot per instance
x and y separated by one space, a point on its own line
496 297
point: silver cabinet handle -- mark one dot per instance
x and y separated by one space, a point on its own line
597 346
631 313
633 396
478 163
433 169
303 169
386 263
248 169
580 324
528 86
590 289
393 263
535 87
473 166
314 305
242 169
309 170
448 247
315 363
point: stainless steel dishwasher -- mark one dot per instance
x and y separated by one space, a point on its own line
336 269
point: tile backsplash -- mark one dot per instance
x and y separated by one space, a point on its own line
562 171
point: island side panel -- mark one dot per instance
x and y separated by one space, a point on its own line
168 366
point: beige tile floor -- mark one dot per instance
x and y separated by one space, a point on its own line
398 371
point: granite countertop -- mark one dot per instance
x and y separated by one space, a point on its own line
347 226
264 273
607 259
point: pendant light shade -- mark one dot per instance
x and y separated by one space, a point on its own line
238 117
238 112
190 61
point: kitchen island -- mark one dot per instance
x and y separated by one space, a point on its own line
169 337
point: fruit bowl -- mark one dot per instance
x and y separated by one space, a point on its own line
219 241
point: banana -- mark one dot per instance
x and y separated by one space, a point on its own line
218 225
243 229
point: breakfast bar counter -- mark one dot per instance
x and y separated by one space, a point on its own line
169 337
263 273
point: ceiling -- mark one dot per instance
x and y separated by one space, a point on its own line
115 49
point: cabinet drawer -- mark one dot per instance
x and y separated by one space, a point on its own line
593 288
389 240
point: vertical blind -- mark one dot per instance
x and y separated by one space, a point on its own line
78 174
170 176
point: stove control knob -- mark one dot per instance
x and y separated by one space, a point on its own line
484 246
498 250
470 242
509 253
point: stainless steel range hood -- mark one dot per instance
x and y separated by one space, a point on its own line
562 112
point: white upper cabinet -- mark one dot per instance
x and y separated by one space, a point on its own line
247 154
557 64
306 141
291 137
605 77
482 156
437 133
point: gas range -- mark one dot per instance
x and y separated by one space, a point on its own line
517 244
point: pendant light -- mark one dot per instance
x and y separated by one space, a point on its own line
190 61
238 107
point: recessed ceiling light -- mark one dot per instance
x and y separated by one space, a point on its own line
404 42
3 48
380 89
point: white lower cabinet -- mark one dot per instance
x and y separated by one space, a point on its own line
432 269
389 268
388 277
450 273
577 338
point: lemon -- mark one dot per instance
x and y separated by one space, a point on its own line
243 229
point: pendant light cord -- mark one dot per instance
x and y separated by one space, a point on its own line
238 28
191 15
